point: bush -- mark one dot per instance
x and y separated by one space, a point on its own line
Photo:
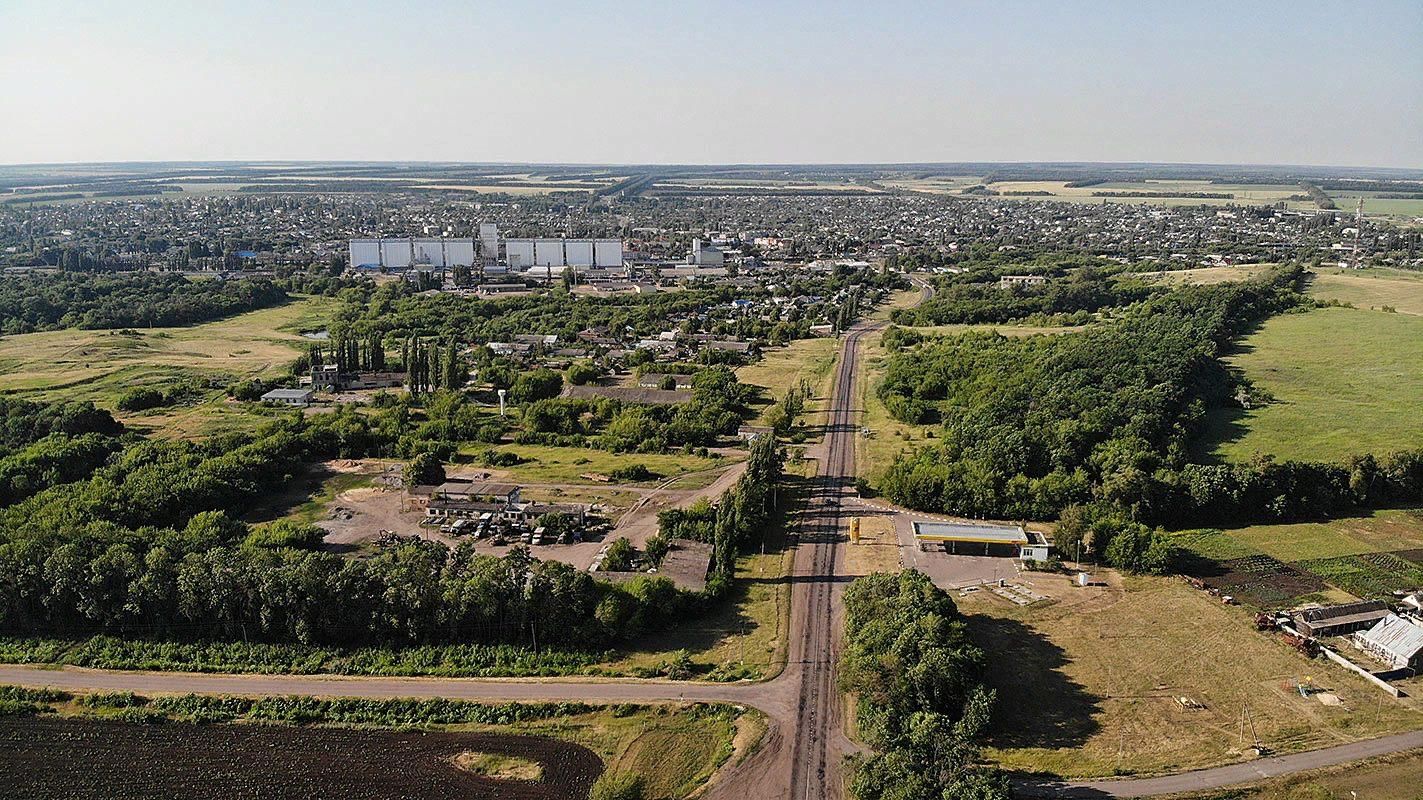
140 399
633 472
285 533
424 470
617 786
620 556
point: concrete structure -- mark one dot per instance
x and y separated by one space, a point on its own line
1008 281
607 253
578 252
705 255
983 539
1396 640
1339 620
288 397
519 253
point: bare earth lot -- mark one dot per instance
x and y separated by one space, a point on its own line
47 758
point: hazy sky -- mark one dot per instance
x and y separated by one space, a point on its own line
663 81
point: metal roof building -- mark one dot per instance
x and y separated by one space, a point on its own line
1395 640
1340 619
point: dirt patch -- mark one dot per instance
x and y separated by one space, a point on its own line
82 759
500 766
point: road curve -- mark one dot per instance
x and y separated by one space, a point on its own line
1229 775
799 754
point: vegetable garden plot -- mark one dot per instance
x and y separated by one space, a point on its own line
1369 574
1263 581
82 759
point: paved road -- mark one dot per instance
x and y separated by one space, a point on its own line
798 757
1230 775
800 753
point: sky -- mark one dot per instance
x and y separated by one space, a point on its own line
558 81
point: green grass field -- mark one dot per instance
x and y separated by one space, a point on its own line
1371 288
545 464
1345 381
101 365
782 368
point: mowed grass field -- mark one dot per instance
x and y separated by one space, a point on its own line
1371 288
1087 686
568 465
782 368
1345 381
100 365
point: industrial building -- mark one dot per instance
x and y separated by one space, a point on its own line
1338 620
982 539
1398 641
489 251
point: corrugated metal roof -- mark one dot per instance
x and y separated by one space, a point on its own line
1396 636
1333 614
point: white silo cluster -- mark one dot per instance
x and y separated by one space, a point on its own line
489 249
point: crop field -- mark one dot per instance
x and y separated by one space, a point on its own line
101 365
98 759
1376 205
1274 566
1070 704
308 747
1371 288
1175 192
1345 382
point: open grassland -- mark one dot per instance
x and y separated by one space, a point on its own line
1379 532
782 368
674 750
1371 288
101 365
1088 686
1345 381
568 465
1395 777
1204 276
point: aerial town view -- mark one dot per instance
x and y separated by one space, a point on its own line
731 401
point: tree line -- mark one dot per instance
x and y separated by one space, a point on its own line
126 300
1031 426
921 703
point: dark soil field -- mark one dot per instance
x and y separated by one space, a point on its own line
1260 580
82 759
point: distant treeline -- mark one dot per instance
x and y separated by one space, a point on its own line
1083 291
99 301
1197 195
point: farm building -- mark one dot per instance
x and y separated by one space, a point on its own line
471 491
960 538
1394 639
1339 620
288 397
